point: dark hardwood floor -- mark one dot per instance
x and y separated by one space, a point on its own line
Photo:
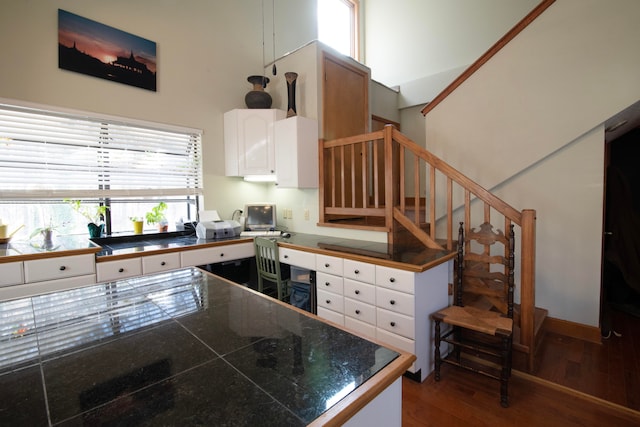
575 383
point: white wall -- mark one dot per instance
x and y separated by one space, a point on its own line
205 51
408 40
532 124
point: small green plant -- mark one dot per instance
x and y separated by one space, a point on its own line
156 214
94 214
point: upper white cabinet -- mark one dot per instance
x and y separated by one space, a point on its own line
249 142
296 152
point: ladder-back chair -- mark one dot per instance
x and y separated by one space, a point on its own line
480 331
268 265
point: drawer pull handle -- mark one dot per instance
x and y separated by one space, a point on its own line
163 263
121 270
63 268
357 271
357 292
286 256
222 254
392 302
327 265
327 284
392 280
393 324
328 301
357 311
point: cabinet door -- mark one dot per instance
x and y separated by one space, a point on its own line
296 152
249 141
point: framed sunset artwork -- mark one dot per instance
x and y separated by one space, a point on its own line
95 49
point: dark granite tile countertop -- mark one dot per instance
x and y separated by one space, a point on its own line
176 348
414 259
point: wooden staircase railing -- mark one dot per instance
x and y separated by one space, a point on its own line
375 182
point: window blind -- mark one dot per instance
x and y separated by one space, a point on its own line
45 154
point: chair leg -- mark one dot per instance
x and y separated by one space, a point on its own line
505 372
436 354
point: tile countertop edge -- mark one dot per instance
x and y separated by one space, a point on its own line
416 268
158 251
52 254
349 406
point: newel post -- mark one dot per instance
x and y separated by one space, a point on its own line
528 283
388 178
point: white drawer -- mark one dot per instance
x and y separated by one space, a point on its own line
39 270
359 310
392 278
11 273
331 316
160 262
361 328
329 264
362 271
39 288
216 254
330 301
395 301
401 343
329 283
119 269
360 291
396 323
298 258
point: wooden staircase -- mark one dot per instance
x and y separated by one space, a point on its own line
376 182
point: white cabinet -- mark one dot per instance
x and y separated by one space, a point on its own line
298 258
47 275
11 273
119 269
39 270
329 290
404 303
296 140
360 297
160 262
215 254
249 143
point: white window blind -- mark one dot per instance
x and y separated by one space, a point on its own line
47 154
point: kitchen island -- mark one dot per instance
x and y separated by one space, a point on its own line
187 348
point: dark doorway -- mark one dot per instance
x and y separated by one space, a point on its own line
621 247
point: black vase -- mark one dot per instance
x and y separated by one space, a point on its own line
258 98
291 92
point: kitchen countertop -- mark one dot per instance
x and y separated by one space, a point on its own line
413 259
112 248
180 348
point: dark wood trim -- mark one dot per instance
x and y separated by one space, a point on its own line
573 329
488 54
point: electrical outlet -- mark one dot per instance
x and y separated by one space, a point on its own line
306 214
290 213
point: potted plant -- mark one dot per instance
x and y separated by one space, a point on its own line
138 222
95 215
46 232
156 216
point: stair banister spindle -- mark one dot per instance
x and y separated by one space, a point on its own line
365 173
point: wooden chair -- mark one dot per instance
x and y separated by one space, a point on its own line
480 322
268 265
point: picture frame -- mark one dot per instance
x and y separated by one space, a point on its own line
95 49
